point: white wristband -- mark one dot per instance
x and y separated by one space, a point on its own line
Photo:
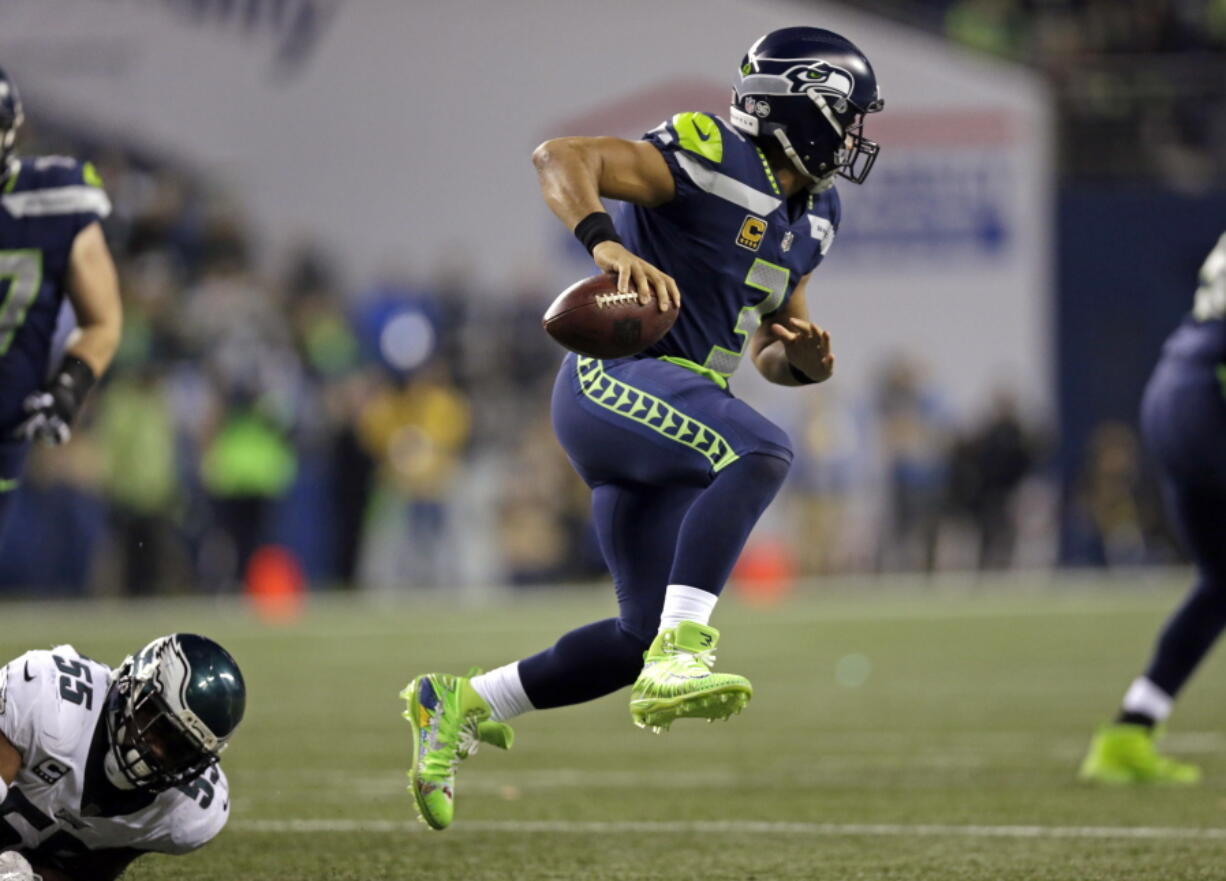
4 790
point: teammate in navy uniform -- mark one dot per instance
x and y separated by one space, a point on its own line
734 217
51 244
1183 418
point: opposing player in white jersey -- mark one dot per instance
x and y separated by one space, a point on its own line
101 766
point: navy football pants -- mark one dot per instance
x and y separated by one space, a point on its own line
1183 417
680 472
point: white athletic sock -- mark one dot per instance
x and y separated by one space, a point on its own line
1148 699
503 691
684 603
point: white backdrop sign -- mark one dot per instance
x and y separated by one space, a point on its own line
398 130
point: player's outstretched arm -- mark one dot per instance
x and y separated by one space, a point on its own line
788 348
93 290
574 173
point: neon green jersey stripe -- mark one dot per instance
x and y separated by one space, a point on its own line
770 175
648 410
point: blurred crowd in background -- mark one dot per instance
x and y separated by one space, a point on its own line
399 436
1140 85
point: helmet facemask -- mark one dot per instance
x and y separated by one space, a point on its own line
859 155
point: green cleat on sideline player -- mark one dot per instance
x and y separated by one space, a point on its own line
449 721
677 681
1124 754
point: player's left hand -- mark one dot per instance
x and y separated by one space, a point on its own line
49 419
807 347
50 411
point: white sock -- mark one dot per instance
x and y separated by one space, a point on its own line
1148 699
503 691
684 603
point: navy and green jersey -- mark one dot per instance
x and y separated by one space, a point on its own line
735 246
44 203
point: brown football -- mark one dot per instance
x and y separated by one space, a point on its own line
590 317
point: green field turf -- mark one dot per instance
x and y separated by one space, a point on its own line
928 730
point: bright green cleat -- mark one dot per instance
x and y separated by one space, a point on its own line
677 681
449 721
1123 754
498 734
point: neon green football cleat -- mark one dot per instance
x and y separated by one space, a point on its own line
498 734
677 681
449 720
1124 754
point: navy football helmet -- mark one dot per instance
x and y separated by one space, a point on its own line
10 120
171 711
810 90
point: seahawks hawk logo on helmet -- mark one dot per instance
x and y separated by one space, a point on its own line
824 79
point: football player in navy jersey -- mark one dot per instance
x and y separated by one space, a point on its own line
51 245
733 216
1183 419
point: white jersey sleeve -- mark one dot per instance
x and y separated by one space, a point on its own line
17 699
189 816
41 713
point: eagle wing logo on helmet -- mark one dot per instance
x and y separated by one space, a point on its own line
822 78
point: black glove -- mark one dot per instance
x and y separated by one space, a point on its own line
53 409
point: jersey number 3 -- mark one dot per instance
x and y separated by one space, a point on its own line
23 272
762 276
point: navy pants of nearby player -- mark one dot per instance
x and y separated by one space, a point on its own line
680 472
1183 417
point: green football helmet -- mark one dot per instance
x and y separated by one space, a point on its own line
171 710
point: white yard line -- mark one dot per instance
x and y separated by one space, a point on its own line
823 770
834 830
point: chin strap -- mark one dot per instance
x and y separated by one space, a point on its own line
114 774
824 107
817 184
821 184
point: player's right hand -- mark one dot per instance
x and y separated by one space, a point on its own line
636 274
15 867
